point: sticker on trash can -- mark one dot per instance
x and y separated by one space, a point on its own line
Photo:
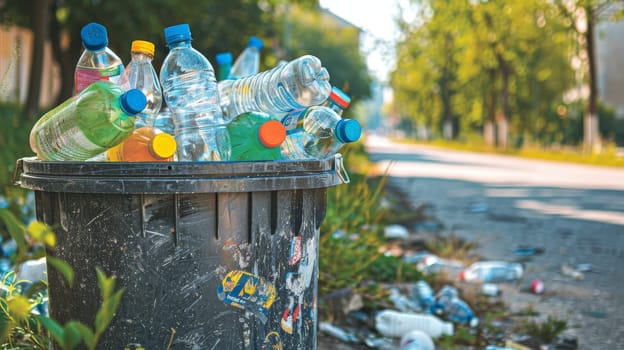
247 291
295 250
272 342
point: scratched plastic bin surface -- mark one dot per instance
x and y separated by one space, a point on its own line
211 255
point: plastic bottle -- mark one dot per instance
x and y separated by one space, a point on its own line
337 332
459 311
492 271
300 83
423 293
402 302
145 144
190 90
319 131
98 118
416 340
164 121
392 323
248 62
255 136
444 298
224 65
97 61
140 74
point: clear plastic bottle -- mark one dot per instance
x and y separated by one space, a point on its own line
423 294
98 118
145 144
190 90
164 121
255 136
248 62
140 74
416 340
390 323
444 298
97 61
492 271
300 83
224 65
318 132
459 311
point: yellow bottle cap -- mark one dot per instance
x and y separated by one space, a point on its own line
271 133
143 46
163 145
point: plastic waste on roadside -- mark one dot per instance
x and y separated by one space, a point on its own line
337 332
97 61
401 302
416 340
431 264
492 271
490 289
536 286
396 232
569 271
140 74
392 323
87 124
423 293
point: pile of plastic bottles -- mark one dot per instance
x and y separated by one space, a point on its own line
116 114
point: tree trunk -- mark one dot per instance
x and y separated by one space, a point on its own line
590 123
488 126
40 10
503 117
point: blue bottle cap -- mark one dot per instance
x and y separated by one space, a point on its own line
348 130
255 42
177 33
133 101
94 36
223 58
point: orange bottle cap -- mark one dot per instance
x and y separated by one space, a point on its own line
142 46
163 145
271 133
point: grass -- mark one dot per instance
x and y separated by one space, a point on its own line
607 156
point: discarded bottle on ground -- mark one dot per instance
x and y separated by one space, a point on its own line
248 62
145 144
318 132
444 298
190 90
416 340
300 83
87 124
392 323
97 62
140 74
255 136
492 271
423 294
402 302
224 65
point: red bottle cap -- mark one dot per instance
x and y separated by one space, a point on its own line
271 133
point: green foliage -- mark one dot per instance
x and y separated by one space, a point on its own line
391 269
23 329
546 331
14 144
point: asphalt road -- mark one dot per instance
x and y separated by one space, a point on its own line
574 212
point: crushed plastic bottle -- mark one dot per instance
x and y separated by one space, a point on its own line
97 62
300 83
423 293
392 323
318 132
255 136
85 125
431 264
337 332
140 74
248 62
492 271
401 302
444 298
190 91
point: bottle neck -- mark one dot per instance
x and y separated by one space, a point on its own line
336 108
142 56
180 44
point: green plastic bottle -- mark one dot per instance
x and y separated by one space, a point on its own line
255 136
98 118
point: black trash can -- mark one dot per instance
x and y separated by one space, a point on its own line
219 255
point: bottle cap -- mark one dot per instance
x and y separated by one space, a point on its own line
255 42
133 101
143 47
94 36
164 145
177 33
271 133
348 130
340 98
223 58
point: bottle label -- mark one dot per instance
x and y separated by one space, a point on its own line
73 144
86 76
293 121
